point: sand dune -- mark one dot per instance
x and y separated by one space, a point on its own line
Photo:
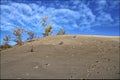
63 57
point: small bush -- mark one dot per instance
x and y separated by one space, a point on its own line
48 31
2 47
44 21
31 35
6 42
61 32
18 33
61 43
47 24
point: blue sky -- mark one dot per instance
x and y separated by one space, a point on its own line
96 17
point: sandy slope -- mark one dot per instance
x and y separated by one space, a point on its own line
80 57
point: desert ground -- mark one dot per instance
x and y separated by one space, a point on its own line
63 57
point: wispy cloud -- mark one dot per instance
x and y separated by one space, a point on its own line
73 15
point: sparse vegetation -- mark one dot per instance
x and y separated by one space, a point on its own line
61 32
6 42
48 31
49 27
1 47
18 33
31 35
44 21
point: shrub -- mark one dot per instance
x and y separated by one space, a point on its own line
1 47
6 41
31 35
44 21
48 31
18 33
61 43
61 32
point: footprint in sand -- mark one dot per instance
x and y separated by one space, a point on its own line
92 68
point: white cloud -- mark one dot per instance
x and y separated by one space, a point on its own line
114 4
75 2
67 13
72 16
29 15
101 4
104 17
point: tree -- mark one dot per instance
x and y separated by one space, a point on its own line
48 31
18 33
31 35
44 21
47 25
6 41
61 32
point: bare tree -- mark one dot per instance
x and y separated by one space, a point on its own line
47 23
61 32
6 41
18 33
31 35
44 21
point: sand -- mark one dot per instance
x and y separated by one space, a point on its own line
63 57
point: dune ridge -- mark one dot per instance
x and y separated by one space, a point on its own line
63 57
